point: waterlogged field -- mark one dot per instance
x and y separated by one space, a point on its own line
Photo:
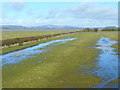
15 34
69 61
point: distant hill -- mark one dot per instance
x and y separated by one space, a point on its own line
12 26
53 26
111 27
44 26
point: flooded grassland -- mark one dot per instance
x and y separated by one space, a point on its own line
61 63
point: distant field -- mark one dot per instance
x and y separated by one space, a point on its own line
14 34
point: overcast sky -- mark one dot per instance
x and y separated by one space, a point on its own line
89 14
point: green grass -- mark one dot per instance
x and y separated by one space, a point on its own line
14 34
9 49
59 68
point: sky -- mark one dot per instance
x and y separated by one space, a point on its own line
82 14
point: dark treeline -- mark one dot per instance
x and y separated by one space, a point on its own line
90 30
110 29
96 29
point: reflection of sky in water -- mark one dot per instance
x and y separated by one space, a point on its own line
107 62
18 56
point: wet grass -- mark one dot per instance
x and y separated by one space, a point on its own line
59 67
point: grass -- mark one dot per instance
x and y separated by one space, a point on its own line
113 81
59 68
10 49
15 34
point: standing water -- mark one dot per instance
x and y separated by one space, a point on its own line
19 56
107 63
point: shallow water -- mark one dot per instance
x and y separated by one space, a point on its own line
106 66
107 62
19 56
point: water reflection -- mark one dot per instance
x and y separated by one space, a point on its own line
106 66
107 61
18 56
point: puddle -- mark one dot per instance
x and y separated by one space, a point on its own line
106 66
107 62
19 56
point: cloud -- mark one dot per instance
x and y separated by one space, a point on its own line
89 14
37 21
18 6
16 0
84 14
0 20
86 10
83 22
3 15
17 22
52 13
29 11
90 10
62 0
